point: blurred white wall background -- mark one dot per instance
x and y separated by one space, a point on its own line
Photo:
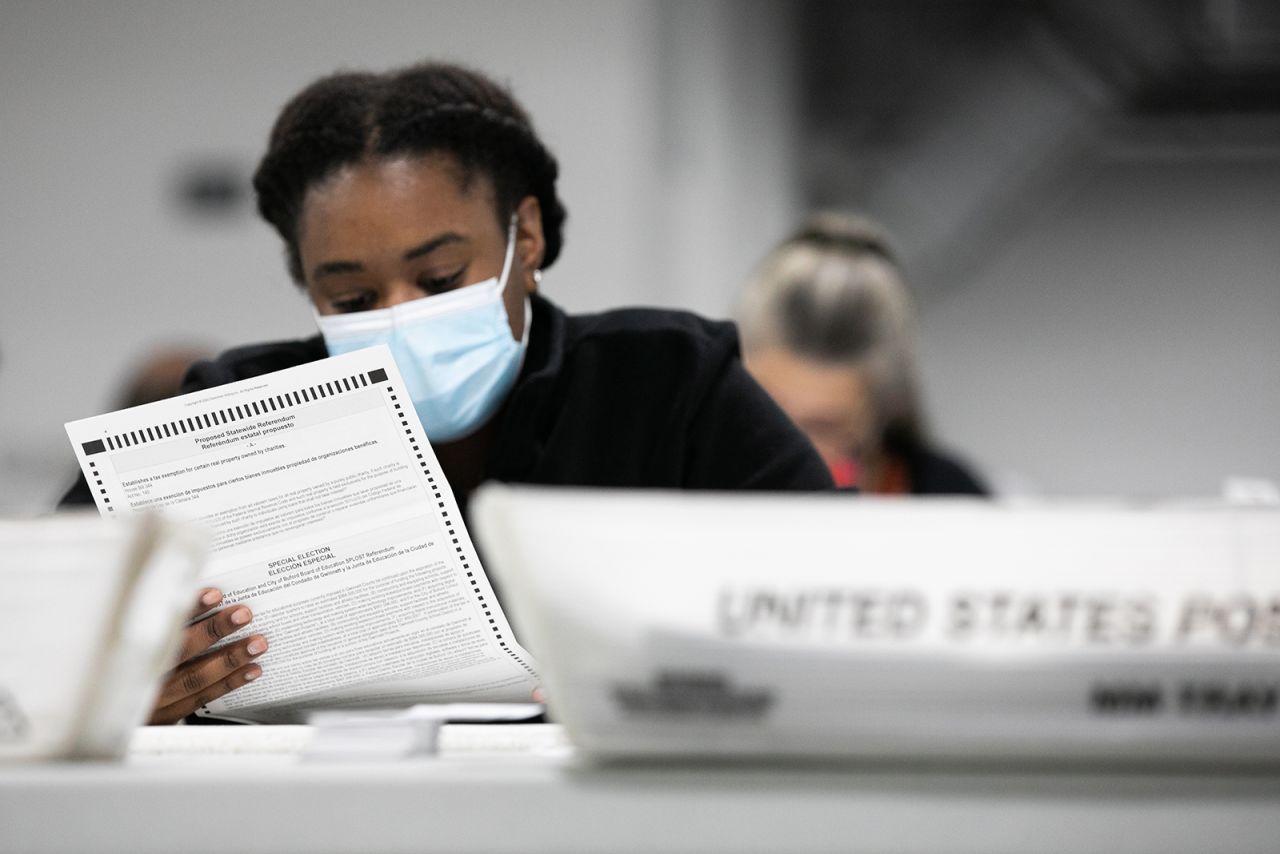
1127 341
1100 317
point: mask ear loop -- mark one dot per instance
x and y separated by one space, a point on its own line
511 254
528 321
502 286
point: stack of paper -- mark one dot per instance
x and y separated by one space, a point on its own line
92 614
838 626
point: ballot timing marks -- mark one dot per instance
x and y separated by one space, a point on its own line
231 414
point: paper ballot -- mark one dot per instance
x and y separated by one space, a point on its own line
836 626
332 520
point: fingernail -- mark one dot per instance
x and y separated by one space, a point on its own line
211 597
257 646
251 675
240 616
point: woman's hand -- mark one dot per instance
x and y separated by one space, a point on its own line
200 676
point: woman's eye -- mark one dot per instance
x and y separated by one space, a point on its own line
358 302
439 284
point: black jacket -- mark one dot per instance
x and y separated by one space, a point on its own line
626 398
934 473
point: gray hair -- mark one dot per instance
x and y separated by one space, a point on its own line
833 292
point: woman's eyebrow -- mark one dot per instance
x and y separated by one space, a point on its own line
432 245
329 268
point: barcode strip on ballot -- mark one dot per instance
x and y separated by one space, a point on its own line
152 433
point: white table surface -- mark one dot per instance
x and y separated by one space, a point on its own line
520 788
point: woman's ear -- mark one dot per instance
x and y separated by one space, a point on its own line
530 244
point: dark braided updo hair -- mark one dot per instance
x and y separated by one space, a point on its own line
434 107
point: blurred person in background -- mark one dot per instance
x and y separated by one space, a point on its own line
828 328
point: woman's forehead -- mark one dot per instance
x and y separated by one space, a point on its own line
433 179
397 194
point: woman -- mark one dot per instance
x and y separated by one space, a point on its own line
828 330
418 208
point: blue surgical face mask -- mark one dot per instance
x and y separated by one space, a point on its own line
454 350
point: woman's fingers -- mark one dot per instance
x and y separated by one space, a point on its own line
176 711
201 676
209 597
196 682
201 635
